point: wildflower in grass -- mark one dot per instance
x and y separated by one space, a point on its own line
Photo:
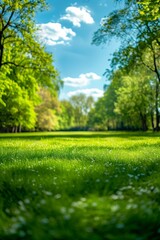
63 210
120 225
22 206
94 204
57 196
44 221
114 197
96 218
131 206
21 219
98 180
136 177
43 201
130 175
83 199
17 212
115 208
67 217
47 193
7 210
27 201
71 210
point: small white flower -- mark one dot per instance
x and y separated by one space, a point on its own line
47 193
130 175
67 217
120 225
94 204
114 208
44 221
57 196
63 210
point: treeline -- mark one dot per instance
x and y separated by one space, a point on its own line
71 114
132 97
30 84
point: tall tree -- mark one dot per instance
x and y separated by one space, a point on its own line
16 109
81 105
139 42
135 99
24 63
47 111
17 24
66 115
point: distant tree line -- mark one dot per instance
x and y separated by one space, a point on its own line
30 84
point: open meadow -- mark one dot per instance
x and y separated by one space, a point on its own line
80 186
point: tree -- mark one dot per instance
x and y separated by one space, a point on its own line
47 111
97 117
16 109
139 42
66 115
17 24
24 62
74 112
135 99
81 105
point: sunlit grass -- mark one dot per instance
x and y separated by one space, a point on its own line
81 185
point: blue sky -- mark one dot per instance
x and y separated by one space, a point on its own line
67 29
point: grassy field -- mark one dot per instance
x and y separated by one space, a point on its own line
80 186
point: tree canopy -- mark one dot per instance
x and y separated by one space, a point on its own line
137 60
25 64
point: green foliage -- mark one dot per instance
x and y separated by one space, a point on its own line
66 116
47 111
134 99
26 66
80 186
16 109
75 112
139 51
149 9
97 118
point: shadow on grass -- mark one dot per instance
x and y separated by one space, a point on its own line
48 135
76 181
83 154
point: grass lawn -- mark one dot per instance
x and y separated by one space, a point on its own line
80 186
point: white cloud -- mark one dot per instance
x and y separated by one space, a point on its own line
94 92
82 80
77 15
55 34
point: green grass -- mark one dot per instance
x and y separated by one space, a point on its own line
80 186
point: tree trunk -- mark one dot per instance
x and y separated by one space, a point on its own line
152 120
20 128
144 122
157 128
1 49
